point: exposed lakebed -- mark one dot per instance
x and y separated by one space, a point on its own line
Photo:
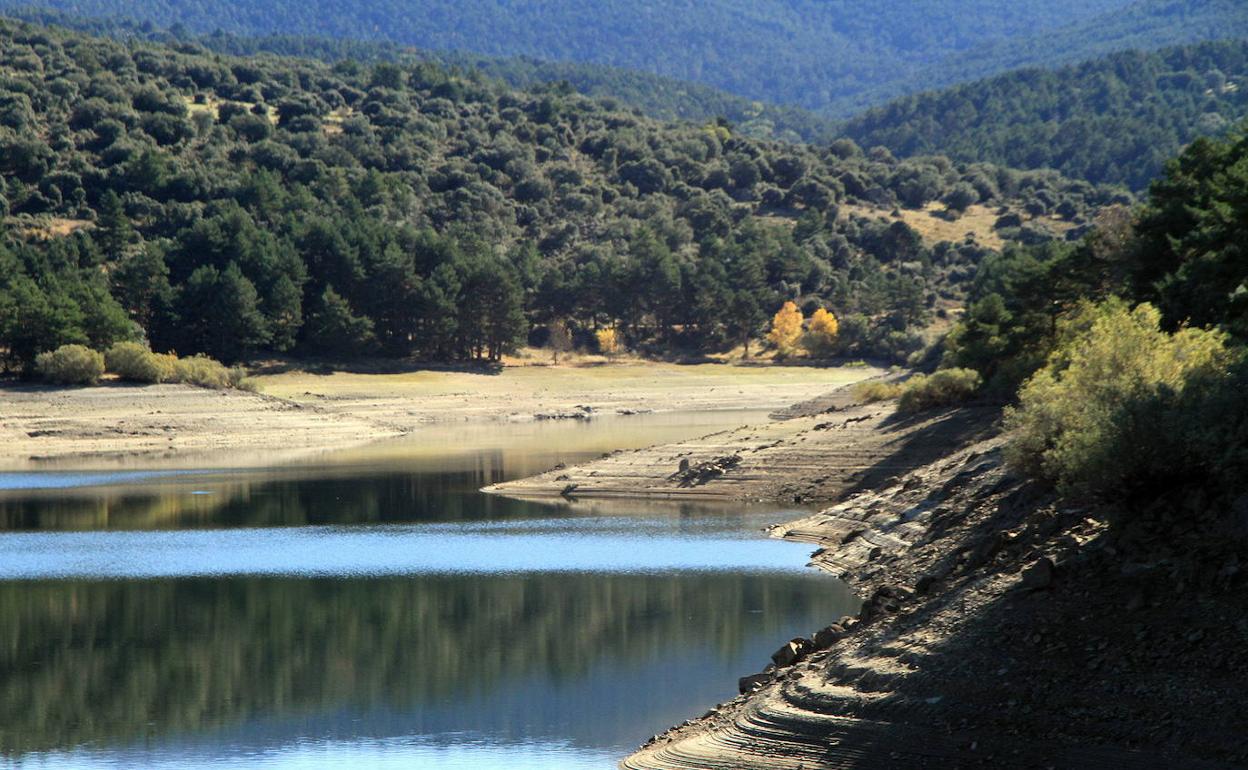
374 608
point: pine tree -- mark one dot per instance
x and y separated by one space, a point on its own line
115 234
333 328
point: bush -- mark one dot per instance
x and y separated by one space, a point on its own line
922 391
875 390
1123 407
71 365
133 361
944 388
209 373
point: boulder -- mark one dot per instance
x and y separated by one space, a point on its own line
1038 576
751 683
793 651
826 637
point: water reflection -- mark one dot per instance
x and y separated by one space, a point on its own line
432 476
594 662
374 608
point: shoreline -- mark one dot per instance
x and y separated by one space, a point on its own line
300 414
1001 626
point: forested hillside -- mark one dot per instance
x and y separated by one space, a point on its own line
1111 120
657 96
833 57
235 205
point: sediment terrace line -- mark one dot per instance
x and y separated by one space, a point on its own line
808 457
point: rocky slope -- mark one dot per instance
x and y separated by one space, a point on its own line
813 451
1002 627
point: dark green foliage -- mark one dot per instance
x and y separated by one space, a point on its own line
1192 252
832 57
333 328
1114 120
55 296
448 212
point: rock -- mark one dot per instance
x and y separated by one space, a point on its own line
751 683
826 637
1038 576
568 490
792 652
697 475
684 465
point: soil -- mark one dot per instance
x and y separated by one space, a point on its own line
300 412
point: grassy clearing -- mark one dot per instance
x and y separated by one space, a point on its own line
979 222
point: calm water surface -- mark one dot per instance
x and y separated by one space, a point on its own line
371 608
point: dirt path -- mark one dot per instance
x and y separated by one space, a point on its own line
299 412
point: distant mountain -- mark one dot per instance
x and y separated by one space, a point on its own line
832 56
1115 119
655 96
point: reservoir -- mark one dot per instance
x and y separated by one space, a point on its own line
372 607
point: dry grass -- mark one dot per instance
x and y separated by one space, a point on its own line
48 228
978 223
212 106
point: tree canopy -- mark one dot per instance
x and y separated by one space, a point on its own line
217 204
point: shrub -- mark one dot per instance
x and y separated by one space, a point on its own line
71 365
944 388
922 391
876 390
206 373
133 361
1121 406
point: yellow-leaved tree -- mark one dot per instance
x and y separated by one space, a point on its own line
608 341
820 338
786 329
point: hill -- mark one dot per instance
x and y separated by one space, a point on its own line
1113 120
234 205
832 57
657 96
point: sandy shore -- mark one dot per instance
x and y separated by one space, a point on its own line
299 412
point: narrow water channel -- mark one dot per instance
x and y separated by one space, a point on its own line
373 608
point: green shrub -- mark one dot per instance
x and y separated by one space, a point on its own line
944 388
922 391
202 371
1123 406
207 372
133 361
71 365
876 390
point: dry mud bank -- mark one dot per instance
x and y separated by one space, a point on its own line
816 451
300 412
1002 628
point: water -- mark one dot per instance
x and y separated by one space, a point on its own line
372 608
